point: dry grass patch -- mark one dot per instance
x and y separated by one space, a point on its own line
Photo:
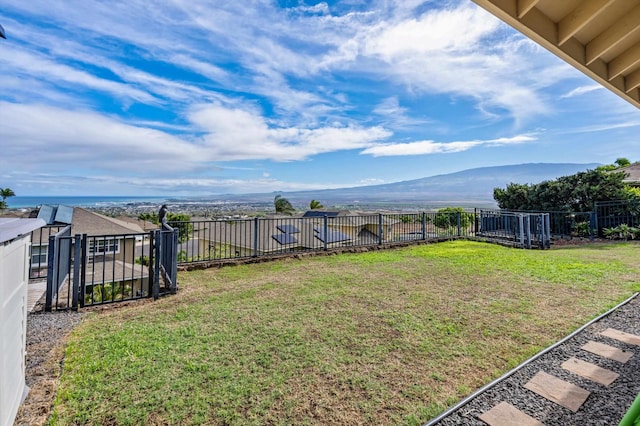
383 337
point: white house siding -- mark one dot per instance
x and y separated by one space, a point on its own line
15 239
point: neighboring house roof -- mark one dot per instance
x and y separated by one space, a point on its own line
349 218
83 221
633 174
143 224
91 223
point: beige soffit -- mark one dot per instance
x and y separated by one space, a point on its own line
601 38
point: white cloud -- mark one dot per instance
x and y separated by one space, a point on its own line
581 91
237 134
458 51
437 31
45 138
432 147
61 139
25 63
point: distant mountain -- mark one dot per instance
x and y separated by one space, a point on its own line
472 187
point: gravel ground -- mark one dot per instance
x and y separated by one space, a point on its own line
47 335
606 405
46 338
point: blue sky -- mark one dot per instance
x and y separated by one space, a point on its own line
194 97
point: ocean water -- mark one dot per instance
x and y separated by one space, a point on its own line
18 202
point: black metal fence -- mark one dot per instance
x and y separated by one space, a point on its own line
39 260
524 230
241 238
610 214
563 224
91 270
59 263
96 270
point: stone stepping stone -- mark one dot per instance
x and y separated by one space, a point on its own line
505 414
590 371
557 390
607 351
632 339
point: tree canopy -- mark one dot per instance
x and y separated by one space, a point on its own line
5 193
181 221
283 205
452 216
576 193
315 205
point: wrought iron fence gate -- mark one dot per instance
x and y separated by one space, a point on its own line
95 270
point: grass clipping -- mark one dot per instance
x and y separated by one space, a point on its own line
386 337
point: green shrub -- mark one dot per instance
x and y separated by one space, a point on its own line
582 229
448 217
621 232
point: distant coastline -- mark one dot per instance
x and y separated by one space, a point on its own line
25 202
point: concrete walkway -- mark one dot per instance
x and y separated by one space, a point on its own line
36 292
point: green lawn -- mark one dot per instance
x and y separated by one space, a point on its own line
384 337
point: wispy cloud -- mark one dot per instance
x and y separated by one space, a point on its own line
432 147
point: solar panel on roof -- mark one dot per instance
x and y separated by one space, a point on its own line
284 238
56 214
47 213
288 229
318 213
64 214
332 236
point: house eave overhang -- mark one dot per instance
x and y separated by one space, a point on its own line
601 38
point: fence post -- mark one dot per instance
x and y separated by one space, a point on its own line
521 223
325 230
475 221
51 268
151 262
458 222
424 225
157 248
255 237
380 236
83 269
77 253
547 230
527 224
174 263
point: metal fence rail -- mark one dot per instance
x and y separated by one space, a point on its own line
93 270
610 214
524 230
113 268
59 264
210 240
102 269
39 260
563 224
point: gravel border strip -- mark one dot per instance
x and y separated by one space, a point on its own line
47 334
605 406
